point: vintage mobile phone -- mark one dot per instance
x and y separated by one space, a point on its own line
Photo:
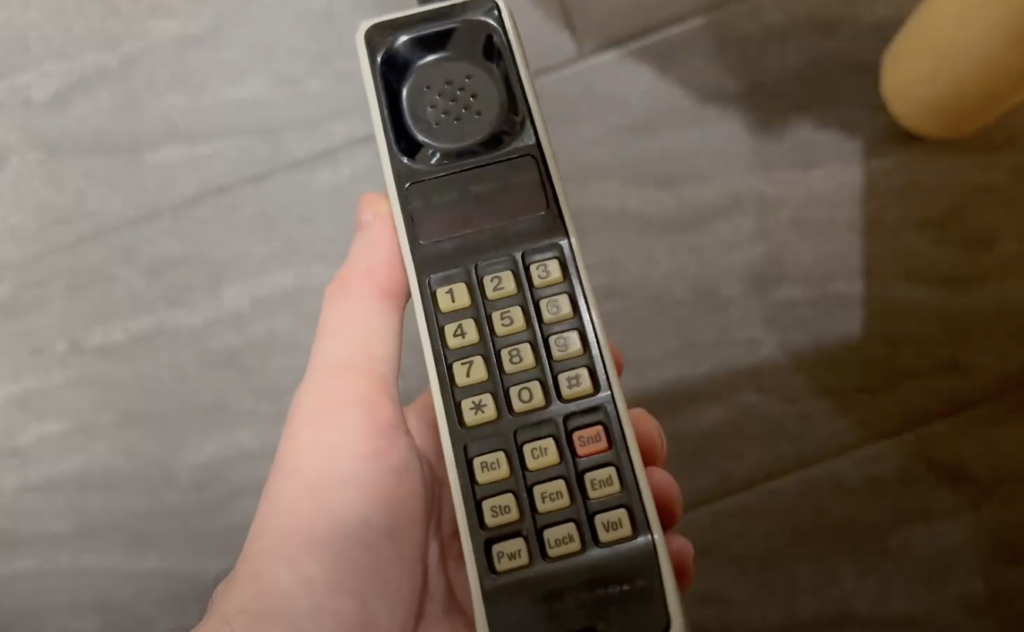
558 525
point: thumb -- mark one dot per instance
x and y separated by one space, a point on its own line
360 329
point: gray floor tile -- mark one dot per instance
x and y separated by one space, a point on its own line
112 110
790 275
598 23
921 533
115 110
144 380
545 33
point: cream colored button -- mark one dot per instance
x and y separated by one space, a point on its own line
602 483
500 510
518 358
541 454
500 285
453 297
556 309
613 526
508 321
470 371
461 334
546 273
551 496
562 540
491 468
510 555
527 397
565 346
575 384
478 409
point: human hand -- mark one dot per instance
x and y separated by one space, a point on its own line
356 529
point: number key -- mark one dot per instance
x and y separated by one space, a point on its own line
546 273
518 358
508 321
527 397
451 298
461 334
556 309
500 285
470 371
565 346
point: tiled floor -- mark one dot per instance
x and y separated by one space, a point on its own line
827 314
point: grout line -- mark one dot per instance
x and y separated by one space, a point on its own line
196 198
1003 395
637 40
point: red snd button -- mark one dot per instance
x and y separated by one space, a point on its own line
590 441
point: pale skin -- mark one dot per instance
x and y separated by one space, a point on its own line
356 527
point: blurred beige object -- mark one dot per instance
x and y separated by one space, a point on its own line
955 67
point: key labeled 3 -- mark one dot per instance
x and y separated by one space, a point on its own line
546 273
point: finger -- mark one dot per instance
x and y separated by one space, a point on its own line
668 498
680 552
649 436
360 329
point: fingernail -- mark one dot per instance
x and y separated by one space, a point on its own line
664 444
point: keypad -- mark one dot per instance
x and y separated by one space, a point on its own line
547 480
